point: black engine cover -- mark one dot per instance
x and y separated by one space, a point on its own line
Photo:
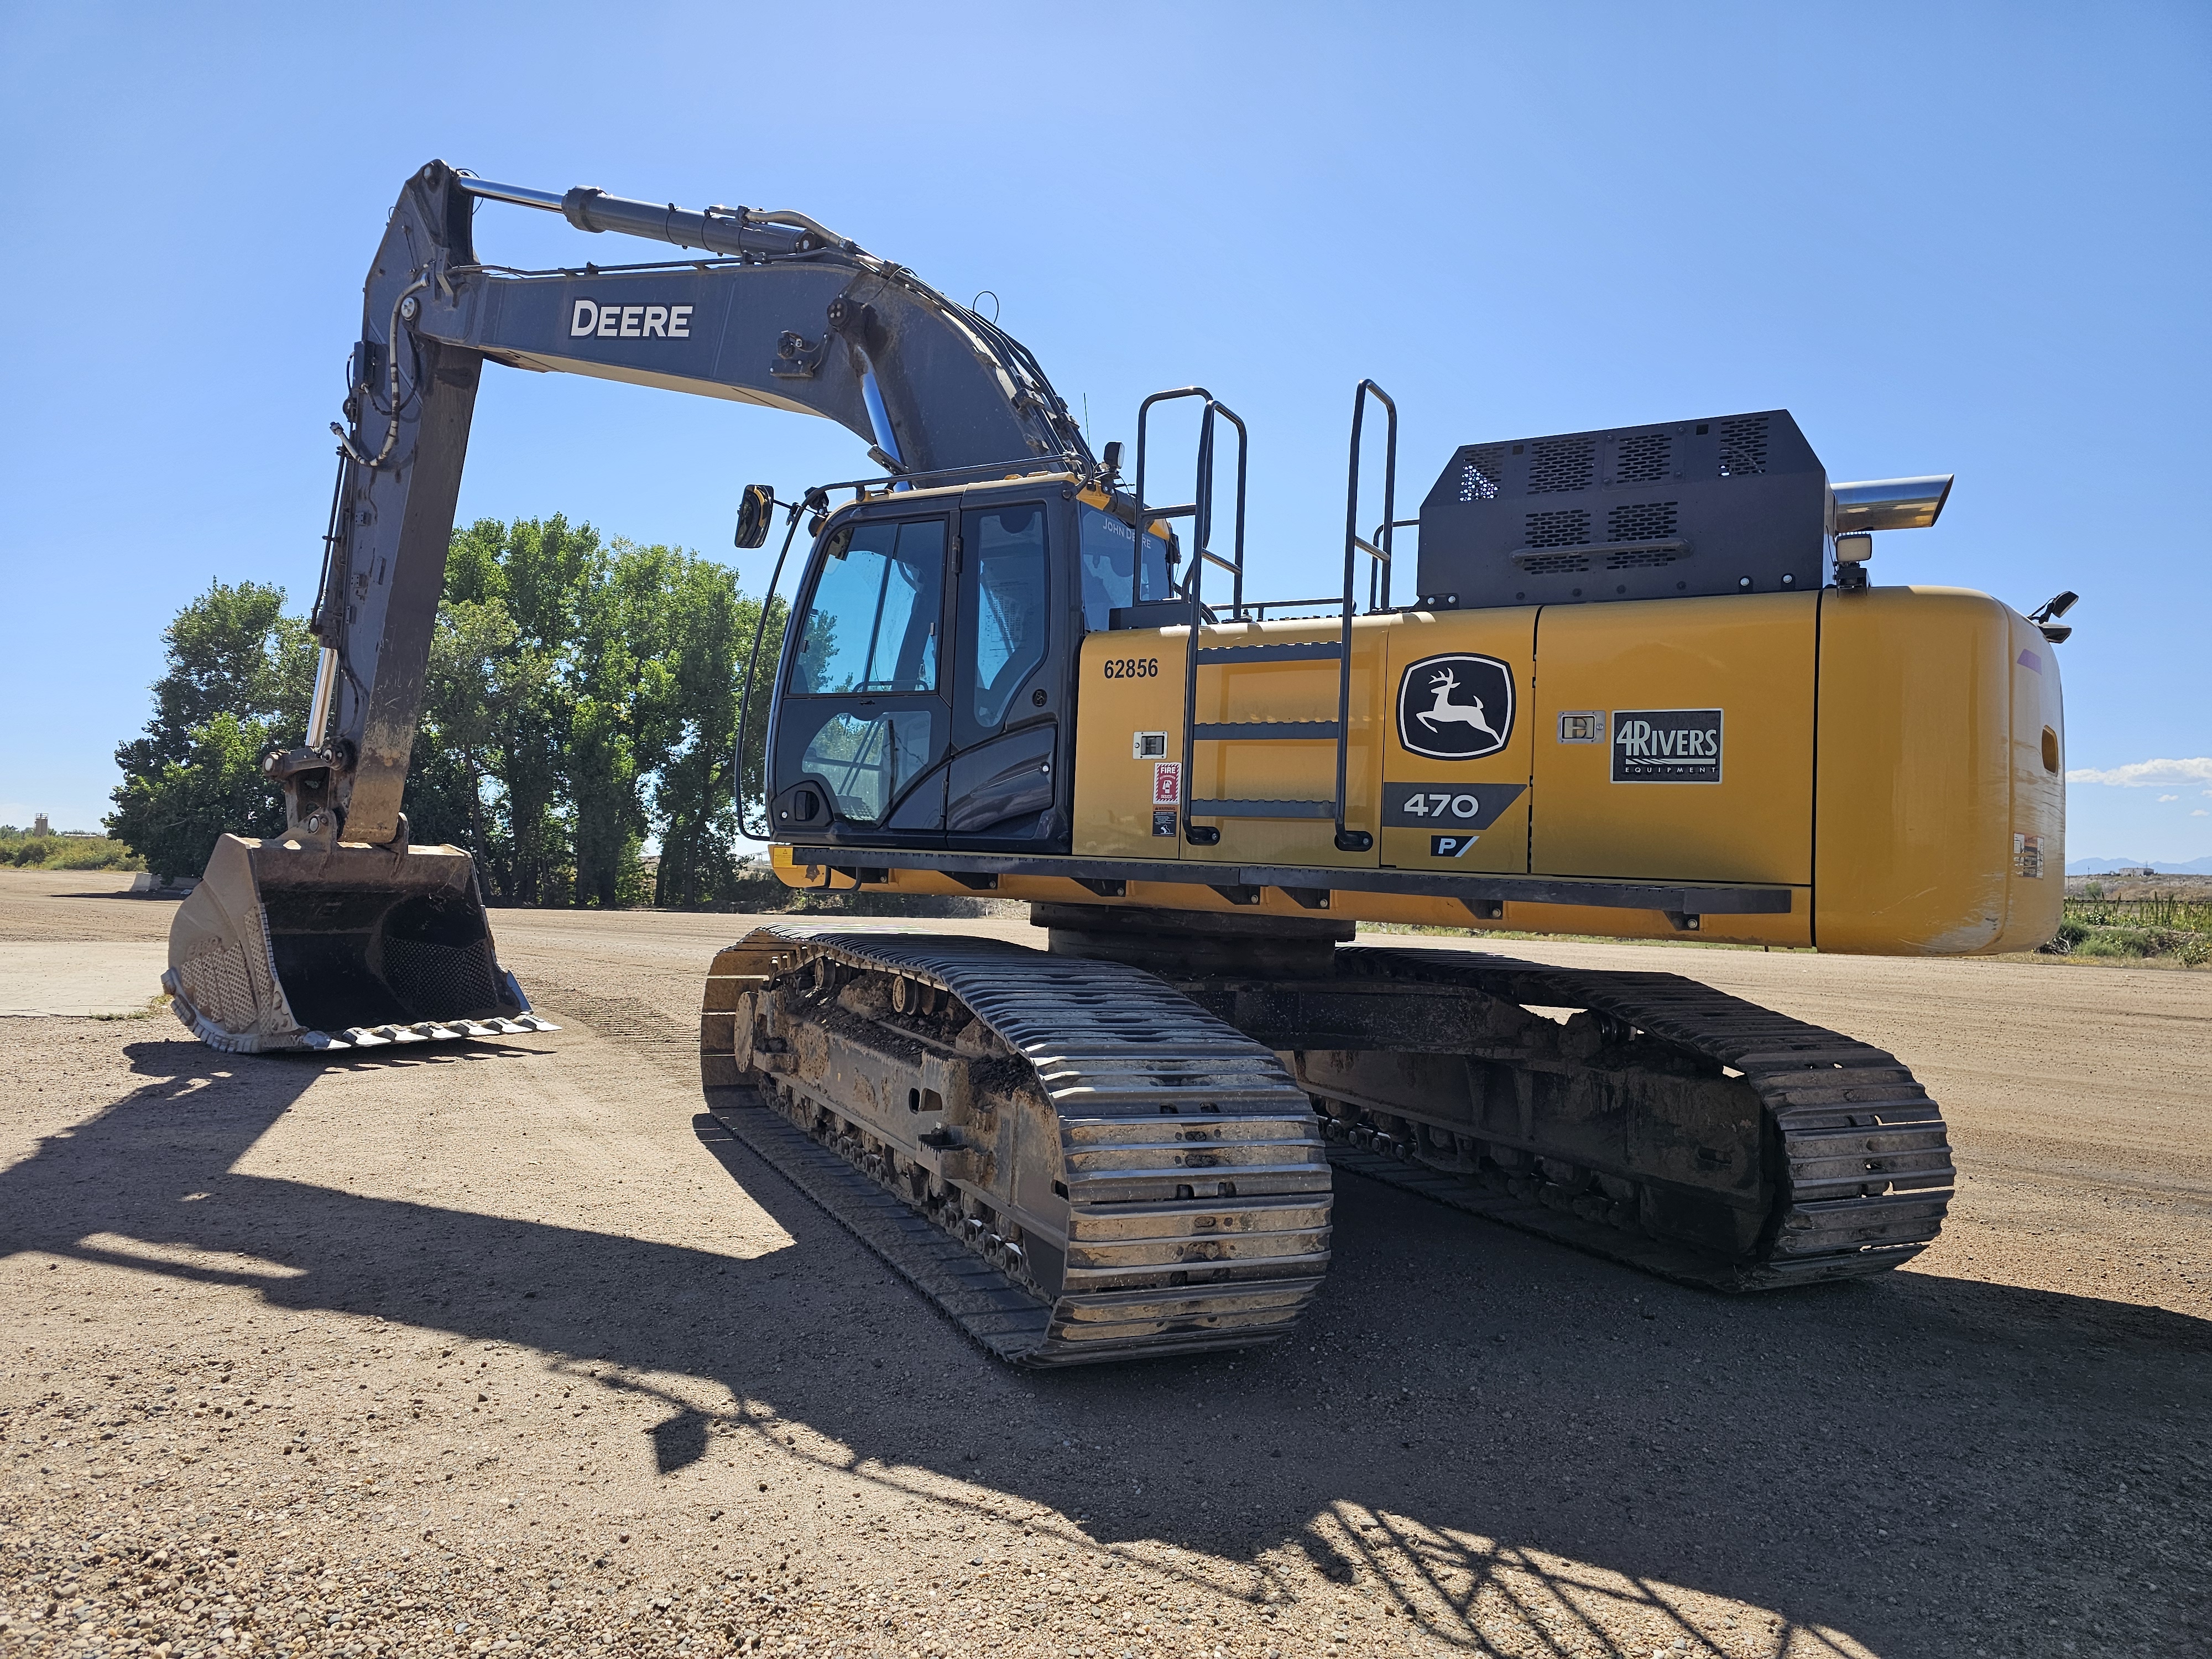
1734 504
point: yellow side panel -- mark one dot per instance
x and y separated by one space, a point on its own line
1931 762
1741 814
1299 769
1460 787
1132 683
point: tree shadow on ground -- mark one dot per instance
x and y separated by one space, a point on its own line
1916 1460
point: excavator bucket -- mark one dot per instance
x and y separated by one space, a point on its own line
320 947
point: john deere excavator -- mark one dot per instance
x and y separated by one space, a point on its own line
1644 690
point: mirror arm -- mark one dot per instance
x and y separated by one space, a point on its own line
745 697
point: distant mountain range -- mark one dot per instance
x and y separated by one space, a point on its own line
2113 866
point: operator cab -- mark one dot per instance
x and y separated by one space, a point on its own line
928 672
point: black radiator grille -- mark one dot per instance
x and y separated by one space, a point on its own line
1644 458
1480 474
1555 564
1743 445
1641 521
1567 527
1562 464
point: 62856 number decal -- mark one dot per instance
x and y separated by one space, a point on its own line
1133 668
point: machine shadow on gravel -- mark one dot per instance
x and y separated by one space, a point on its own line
1464 1406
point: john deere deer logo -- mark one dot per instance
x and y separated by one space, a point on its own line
1443 685
1456 707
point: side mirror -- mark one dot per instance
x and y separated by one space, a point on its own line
754 509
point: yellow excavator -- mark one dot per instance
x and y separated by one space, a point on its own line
1642 690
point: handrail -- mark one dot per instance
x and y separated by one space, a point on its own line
1348 839
1379 548
1200 512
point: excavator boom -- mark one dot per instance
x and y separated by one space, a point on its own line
771 309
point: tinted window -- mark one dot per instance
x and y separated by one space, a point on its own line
1107 550
877 607
1005 608
866 762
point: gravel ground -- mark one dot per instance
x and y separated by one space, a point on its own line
490 1348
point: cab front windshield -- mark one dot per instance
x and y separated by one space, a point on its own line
1107 548
872 625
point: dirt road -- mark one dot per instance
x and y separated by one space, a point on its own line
490 1348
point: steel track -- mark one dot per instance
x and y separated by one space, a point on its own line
1197 1189
1865 1174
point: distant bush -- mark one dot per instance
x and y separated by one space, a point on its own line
23 852
2066 940
2167 927
2164 910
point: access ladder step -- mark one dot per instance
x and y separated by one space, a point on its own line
1289 651
1263 731
1263 809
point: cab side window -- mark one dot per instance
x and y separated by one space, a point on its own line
1107 552
1006 614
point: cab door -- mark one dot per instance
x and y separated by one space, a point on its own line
1006 781
864 720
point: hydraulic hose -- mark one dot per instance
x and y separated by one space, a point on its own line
391 351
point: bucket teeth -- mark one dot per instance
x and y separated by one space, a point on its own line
425 1030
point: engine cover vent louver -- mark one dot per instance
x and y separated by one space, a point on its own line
1481 473
1554 564
1568 528
1743 445
1645 521
1561 464
1646 458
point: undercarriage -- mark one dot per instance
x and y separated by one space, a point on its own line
1134 1160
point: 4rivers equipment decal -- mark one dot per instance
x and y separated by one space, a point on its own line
1666 746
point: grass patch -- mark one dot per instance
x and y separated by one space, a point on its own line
22 851
2167 913
2171 930
159 1004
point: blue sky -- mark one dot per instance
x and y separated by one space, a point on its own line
1949 238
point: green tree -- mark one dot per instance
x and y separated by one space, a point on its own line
239 679
623 724
529 580
697 794
581 696
451 783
